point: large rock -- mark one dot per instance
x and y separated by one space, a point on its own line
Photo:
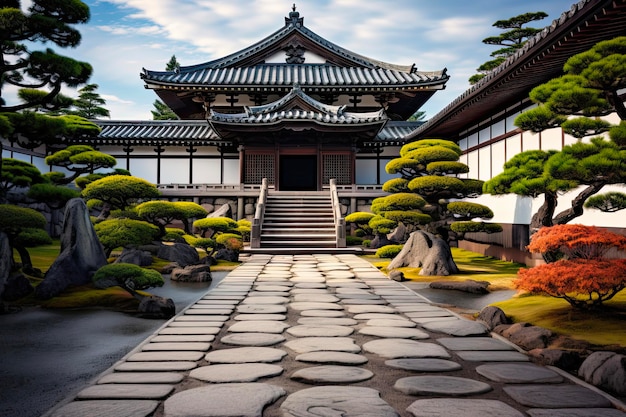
606 370
192 273
398 235
528 337
469 285
135 256
157 307
427 251
81 253
222 211
181 253
16 287
492 317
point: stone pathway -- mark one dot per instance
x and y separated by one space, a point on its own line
324 335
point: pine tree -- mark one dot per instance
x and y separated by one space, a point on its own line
89 103
161 110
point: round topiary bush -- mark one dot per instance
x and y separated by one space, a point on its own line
389 251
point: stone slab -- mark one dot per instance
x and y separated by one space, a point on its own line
176 346
223 400
404 348
492 356
141 378
360 309
556 396
371 316
252 339
308 330
441 385
260 316
575 412
261 309
460 407
474 343
205 301
183 338
207 317
155 366
424 364
260 326
189 330
338 321
266 300
100 408
245 355
238 372
196 323
317 344
165 356
363 301
197 318
322 313
125 392
315 298
390 323
272 288
457 327
332 374
311 305
519 373
334 358
394 332
336 401
429 313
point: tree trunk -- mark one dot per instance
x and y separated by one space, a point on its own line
578 204
543 217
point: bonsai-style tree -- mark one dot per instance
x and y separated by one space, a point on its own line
512 40
212 226
18 174
119 192
577 270
224 232
80 160
129 277
189 211
16 220
161 213
116 233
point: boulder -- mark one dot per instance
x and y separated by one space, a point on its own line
397 276
606 370
192 273
427 251
17 286
181 253
227 255
563 359
398 235
469 285
167 269
135 256
528 337
222 211
157 307
81 253
493 317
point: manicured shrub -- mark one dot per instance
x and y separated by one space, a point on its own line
130 277
30 237
470 210
389 251
353 241
576 241
474 227
116 233
214 225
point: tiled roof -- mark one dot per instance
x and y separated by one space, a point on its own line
309 75
175 132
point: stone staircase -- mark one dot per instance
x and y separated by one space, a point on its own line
298 220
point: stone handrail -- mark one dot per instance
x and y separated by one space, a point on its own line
255 232
340 222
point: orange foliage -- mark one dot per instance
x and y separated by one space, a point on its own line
583 283
576 241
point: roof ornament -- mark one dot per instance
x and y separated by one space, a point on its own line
294 18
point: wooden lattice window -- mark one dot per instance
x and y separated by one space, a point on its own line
337 166
259 166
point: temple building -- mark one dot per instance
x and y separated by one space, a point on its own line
293 108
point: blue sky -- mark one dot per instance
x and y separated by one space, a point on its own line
124 36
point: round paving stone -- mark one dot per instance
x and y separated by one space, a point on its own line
316 298
441 385
272 288
336 401
260 316
390 323
322 313
404 348
309 305
360 309
334 358
399 332
245 355
456 327
573 412
99 408
262 309
338 321
457 407
252 339
332 374
423 364
266 300
320 330
317 344
518 373
309 279
240 372
258 326
223 400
